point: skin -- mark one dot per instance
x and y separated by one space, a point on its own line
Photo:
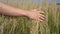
12 11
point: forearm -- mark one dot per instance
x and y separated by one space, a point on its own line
8 10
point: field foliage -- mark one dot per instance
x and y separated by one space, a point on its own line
24 25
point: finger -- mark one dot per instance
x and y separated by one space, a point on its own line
43 13
42 17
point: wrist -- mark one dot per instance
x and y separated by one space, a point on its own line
25 13
0 7
0 4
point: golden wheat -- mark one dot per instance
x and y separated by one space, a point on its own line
23 25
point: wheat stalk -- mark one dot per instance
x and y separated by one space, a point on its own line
49 26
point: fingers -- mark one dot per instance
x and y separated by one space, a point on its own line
42 16
41 12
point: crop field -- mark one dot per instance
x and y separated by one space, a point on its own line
24 25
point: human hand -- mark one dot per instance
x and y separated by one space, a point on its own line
34 14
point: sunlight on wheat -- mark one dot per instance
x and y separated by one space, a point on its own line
24 25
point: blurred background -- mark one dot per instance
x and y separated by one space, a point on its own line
24 25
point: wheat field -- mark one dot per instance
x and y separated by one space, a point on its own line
24 25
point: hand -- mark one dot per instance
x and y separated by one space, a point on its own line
34 14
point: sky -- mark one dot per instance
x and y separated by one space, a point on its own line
58 1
